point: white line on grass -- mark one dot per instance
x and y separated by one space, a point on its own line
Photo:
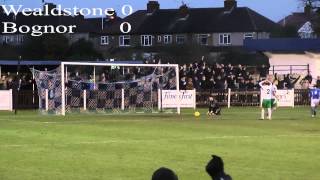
14 120
72 121
157 140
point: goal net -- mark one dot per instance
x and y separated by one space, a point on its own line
77 87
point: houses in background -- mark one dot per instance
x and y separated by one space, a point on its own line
226 26
303 22
218 28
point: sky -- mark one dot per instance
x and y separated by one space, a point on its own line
273 9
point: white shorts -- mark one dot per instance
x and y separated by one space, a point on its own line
315 102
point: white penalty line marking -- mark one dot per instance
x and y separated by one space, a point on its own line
73 121
163 140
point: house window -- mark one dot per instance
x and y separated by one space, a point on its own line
306 35
8 39
167 39
104 40
159 39
124 40
180 39
248 36
203 39
225 39
4 39
20 39
146 40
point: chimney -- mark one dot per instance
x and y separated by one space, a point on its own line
51 6
79 17
152 6
183 10
308 9
112 17
230 4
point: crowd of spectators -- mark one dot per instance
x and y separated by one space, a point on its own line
9 81
198 75
202 76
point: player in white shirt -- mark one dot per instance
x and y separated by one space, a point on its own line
267 89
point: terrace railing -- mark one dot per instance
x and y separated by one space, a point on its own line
245 98
28 99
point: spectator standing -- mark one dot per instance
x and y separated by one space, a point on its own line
318 82
10 83
103 78
231 82
290 82
251 86
204 83
281 82
309 78
264 71
220 83
189 85
229 69
242 85
183 83
196 83
3 83
305 84
238 71
211 83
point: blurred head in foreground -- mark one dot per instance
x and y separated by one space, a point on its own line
164 174
215 169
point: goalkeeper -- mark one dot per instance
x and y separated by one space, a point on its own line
214 108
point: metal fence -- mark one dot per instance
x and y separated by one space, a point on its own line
28 99
25 99
289 69
246 98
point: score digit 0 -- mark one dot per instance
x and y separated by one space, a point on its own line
125 27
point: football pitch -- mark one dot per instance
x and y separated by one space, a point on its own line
131 147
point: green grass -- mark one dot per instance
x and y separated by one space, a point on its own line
131 147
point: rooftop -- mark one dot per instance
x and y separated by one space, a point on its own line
196 20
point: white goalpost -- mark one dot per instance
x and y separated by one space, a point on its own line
107 87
